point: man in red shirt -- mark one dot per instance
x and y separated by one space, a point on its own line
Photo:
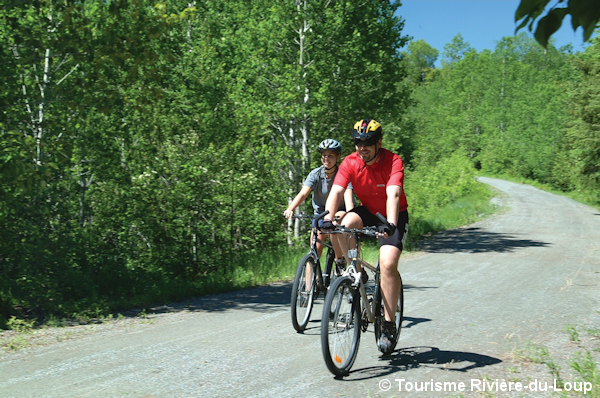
377 176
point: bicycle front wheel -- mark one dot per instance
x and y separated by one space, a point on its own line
340 326
303 292
380 315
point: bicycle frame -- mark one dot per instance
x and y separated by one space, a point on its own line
352 271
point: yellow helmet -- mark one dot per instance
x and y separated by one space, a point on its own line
367 128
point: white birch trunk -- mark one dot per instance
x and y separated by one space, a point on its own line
298 129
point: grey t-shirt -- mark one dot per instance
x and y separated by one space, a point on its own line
321 186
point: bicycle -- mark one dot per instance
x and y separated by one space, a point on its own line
309 279
350 307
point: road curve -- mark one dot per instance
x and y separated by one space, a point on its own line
473 297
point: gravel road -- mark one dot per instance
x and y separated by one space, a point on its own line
476 300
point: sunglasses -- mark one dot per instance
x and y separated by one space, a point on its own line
370 142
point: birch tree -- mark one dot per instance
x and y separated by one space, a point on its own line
318 66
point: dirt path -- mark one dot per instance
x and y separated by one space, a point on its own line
479 302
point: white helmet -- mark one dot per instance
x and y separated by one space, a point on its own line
330 145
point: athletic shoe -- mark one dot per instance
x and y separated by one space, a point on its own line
340 266
388 337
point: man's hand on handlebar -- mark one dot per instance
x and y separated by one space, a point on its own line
386 230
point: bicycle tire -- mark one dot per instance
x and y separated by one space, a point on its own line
302 300
380 315
340 326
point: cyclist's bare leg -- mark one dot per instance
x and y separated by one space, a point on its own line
335 239
350 220
322 237
390 279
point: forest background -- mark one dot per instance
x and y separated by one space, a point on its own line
148 150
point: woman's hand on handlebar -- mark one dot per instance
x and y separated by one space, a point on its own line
288 213
327 226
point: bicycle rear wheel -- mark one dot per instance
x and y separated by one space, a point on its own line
303 292
380 315
330 268
340 326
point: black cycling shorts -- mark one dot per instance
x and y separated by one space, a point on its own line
398 238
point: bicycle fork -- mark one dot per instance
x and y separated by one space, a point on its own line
367 312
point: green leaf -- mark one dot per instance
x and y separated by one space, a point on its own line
530 8
587 32
585 12
549 24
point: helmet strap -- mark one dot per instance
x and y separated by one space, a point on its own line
374 157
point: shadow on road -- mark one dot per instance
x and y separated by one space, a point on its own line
409 321
416 357
475 240
268 298
262 299
314 325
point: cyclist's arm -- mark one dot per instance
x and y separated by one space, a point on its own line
349 199
300 198
392 205
333 201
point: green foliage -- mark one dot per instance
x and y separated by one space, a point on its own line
455 50
432 187
147 149
584 13
20 325
505 110
578 167
419 59
444 195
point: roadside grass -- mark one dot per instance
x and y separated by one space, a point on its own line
579 375
21 327
255 269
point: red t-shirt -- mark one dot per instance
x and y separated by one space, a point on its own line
369 182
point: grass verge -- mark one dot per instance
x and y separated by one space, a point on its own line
576 376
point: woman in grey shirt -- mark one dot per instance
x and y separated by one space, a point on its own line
320 181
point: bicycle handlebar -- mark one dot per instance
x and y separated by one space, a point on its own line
306 216
370 231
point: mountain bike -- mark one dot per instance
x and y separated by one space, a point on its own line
351 305
310 280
